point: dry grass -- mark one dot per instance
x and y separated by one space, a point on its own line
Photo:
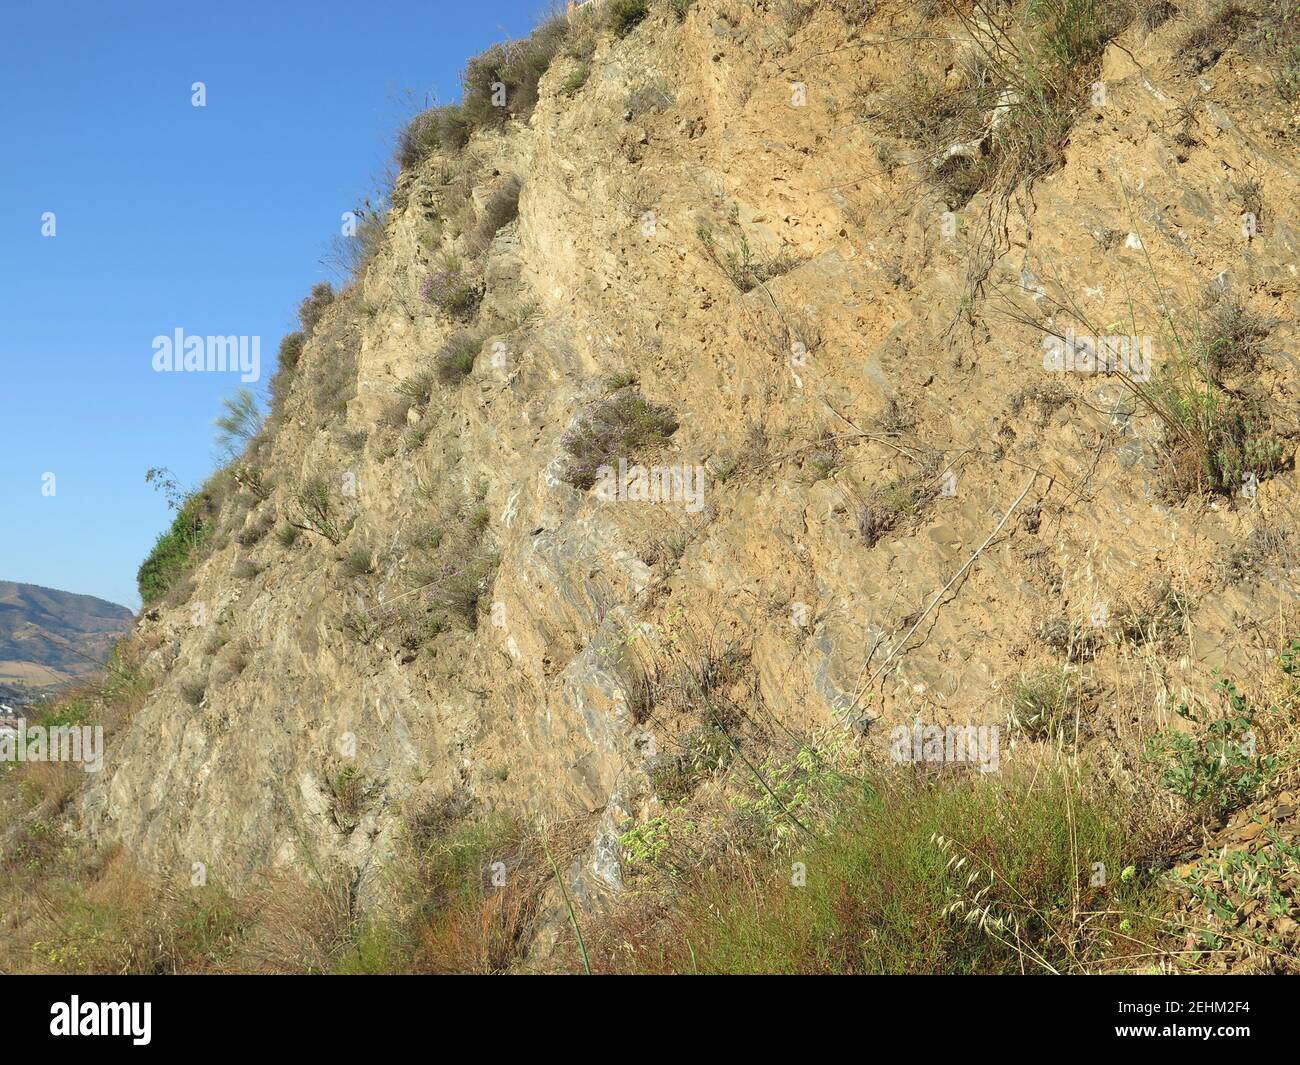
1006 115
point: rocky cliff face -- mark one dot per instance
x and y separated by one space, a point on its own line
905 511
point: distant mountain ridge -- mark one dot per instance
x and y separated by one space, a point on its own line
48 637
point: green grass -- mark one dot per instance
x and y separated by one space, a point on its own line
887 889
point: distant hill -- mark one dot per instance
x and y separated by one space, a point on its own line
49 637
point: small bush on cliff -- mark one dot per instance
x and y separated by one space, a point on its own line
1006 116
353 250
177 549
612 428
737 259
1233 336
577 78
436 129
312 309
241 422
313 511
452 289
624 15
456 564
1215 440
418 388
291 350
501 83
290 354
173 553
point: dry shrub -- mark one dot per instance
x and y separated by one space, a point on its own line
117 921
473 890
1217 29
1007 117
437 129
299 927
312 309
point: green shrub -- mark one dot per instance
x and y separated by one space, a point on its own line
514 67
418 388
177 549
577 79
625 14
1218 767
613 428
314 511
358 563
618 380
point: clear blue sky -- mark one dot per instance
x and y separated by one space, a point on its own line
211 219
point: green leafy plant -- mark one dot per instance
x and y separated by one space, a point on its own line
1218 767
313 511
